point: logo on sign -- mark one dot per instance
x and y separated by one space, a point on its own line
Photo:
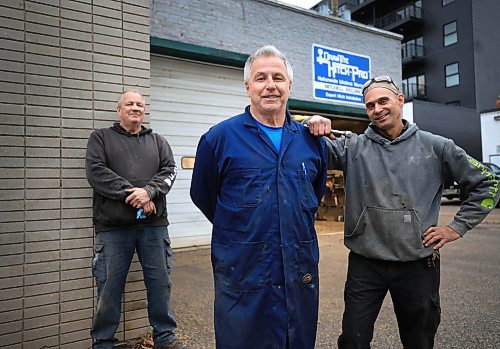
339 75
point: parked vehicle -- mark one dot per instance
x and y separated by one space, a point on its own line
452 191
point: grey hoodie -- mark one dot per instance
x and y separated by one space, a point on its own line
393 190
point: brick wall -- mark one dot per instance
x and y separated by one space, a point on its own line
63 66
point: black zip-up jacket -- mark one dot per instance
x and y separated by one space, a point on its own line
117 160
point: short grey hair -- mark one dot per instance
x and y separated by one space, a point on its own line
266 51
120 100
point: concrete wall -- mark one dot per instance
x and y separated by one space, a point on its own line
462 125
63 65
244 26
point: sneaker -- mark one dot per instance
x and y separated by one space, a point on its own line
175 344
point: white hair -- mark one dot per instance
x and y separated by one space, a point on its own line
120 101
266 51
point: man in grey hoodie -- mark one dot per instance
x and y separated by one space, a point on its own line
393 183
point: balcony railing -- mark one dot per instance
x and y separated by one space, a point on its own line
414 91
406 12
410 51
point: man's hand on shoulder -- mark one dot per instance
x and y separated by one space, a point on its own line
138 197
320 126
441 234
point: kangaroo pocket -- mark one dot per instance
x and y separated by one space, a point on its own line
389 234
239 266
116 212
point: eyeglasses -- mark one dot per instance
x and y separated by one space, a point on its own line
382 78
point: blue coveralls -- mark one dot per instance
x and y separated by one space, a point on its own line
264 246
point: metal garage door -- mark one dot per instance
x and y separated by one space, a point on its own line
187 98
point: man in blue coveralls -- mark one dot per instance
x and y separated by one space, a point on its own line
258 178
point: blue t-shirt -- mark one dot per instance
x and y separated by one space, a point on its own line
274 133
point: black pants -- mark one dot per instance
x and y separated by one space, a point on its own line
414 289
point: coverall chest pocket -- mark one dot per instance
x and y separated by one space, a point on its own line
246 187
307 195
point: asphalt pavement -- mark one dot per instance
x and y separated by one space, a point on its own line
470 291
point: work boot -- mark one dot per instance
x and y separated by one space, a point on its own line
175 344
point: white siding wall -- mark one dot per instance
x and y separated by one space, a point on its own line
187 98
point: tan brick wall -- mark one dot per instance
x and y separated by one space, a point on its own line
63 66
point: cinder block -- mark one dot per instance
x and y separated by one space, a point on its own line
7 194
76 284
11 304
12 259
106 21
41 18
75 142
76 15
136 81
80 263
42 29
42 39
75 183
46 267
41 300
76 274
72 44
42 50
136 19
43 142
76 54
41 321
112 50
11 293
11 339
76 64
77 113
81 253
42 204
42 225
69 93
79 84
140 11
42 214
11 97
43 100
36 246
13 216
113 4
12 55
12 152
43 193
12 34
41 61
76 74
107 12
11 172
77 315
39 333
76 35
13 66
35 290
109 87
107 68
77 6
109 31
12 226
74 153
77 305
77 243
78 233
43 309
43 173
43 80
43 121
34 236
38 257
41 278
13 77
41 8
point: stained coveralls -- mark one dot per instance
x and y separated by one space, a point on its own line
264 247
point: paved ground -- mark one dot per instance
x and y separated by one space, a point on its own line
470 289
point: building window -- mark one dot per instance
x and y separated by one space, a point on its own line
452 75
414 87
447 2
450 36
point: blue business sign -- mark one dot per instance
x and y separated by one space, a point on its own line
339 75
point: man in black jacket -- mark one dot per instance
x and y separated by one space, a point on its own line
131 169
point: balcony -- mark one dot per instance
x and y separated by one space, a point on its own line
414 91
406 18
412 53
